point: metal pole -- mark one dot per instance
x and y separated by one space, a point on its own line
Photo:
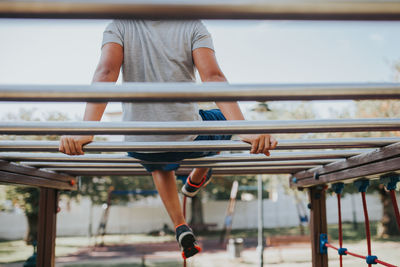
190 92
221 145
199 127
183 171
237 157
354 212
260 246
49 164
206 9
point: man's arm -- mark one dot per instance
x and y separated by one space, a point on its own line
107 70
206 64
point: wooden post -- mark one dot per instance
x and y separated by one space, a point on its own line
48 205
318 224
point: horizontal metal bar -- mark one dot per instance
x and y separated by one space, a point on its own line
49 164
191 92
205 9
238 157
136 171
198 127
284 144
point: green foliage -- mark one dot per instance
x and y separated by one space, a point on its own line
220 189
33 115
25 197
96 188
3 198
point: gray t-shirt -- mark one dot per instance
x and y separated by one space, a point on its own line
158 51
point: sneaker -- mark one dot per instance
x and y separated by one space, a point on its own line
187 241
190 189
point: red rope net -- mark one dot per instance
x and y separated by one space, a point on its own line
367 230
366 221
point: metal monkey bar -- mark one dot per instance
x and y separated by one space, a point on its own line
206 9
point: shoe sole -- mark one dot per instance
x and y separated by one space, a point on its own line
189 247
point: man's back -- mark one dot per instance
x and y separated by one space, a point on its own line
158 51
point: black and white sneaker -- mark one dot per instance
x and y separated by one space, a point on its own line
187 241
190 189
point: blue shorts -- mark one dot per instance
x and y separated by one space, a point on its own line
206 115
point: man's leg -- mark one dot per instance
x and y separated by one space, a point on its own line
165 182
198 174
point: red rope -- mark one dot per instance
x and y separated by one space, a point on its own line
347 252
395 207
184 216
355 255
367 231
360 256
385 263
330 246
340 227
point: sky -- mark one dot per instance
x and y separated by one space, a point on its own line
67 52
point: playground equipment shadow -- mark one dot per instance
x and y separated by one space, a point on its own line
295 255
163 250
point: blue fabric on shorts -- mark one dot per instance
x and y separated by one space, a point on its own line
206 115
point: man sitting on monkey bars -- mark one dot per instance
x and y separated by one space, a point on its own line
164 51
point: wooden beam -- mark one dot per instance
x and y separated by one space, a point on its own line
29 170
318 224
364 158
375 168
26 175
370 163
23 179
48 205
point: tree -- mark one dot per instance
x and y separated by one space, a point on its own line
362 109
385 109
28 197
94 187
